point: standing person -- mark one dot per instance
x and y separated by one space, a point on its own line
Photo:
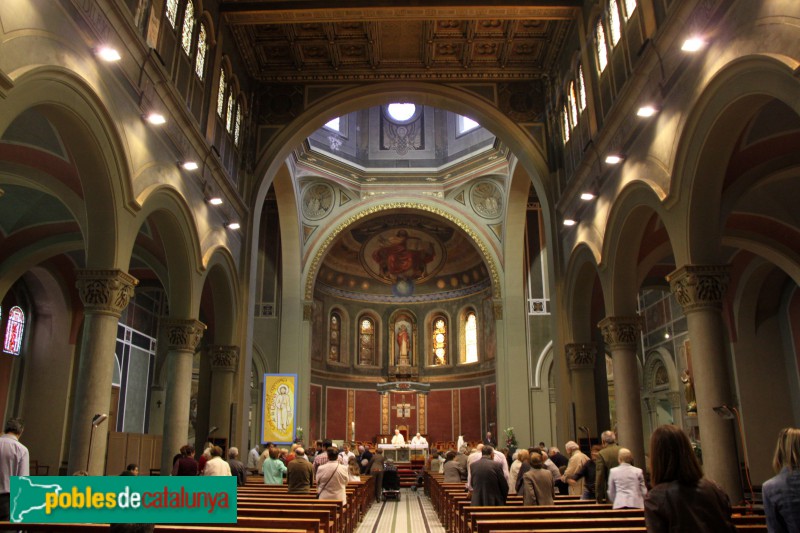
488 440
782 492
452 468
252 458
237 467
489 484
14 461
461 458
130 470
322 456
345 455
398 439
299 473
520 456
586 475
626 483
606 460
681 498
185 465
576 461
332 479
363 458
273 468
216 466
375 468
537 484
353 471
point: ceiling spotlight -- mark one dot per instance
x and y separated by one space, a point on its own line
647 111
569 222
106 53
613 159
190 165
233 225
693 44
155 118
586 196
215 200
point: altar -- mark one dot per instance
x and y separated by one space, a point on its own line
404 453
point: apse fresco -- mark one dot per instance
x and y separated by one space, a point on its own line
402 258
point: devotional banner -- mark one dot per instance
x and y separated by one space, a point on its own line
279 419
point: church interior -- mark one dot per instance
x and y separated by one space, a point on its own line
543 219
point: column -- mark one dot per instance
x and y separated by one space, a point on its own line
675 404
699 290
104 294
182 336
621 334
580 360
224 362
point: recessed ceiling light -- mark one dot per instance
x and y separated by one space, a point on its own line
586 196
190 165
215 200
107 53
569 222
613 159
647 111
155 118
693 44
233 225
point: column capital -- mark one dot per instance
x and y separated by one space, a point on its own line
620 331
106 292
581 355
224 358
699 286
183 334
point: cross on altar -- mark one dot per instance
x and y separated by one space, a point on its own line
404 410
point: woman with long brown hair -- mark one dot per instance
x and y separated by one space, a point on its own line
681 498
782 492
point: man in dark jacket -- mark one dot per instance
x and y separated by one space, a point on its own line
299 473
375 469
489 485
606 460
237 467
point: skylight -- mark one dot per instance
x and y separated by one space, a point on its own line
401 112
466 124
333 124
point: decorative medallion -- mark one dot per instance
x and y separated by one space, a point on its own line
487 199
317 201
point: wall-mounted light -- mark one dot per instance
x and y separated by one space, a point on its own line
155 118
588 195
569 222
647 110
233 225
107 53
693 44
614 159
189 165
214 200
667 334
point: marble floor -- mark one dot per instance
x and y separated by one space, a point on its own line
413 513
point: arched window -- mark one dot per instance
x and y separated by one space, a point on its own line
366 341
229 121
172 12
202 48
439 340
630 6
238 125
614 25
581 89
471 338
573 104
188 28
600 45
335 338
564 115
14 330
221 94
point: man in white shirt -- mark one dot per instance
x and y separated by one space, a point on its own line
346 454
419 440
14 461
398 439
252 457
216 466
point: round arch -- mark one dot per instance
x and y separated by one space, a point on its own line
221 278
581 276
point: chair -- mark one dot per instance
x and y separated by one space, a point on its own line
391 485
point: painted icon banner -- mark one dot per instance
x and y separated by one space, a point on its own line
278 408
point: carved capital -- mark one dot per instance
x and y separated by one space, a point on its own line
581 355
620 332
105 291
224 358
183 335
699 287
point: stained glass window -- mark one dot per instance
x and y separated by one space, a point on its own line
614 25
566 125
335 340
229 125
200 60
366 342
172 12
188 28
600 45
581 89
439 341
221 94
573 105
630 6
471 339
237 131
14 330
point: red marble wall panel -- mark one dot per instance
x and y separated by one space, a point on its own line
336 414
368 415
440 416
471 426
315 418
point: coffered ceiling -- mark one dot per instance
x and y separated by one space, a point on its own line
302 40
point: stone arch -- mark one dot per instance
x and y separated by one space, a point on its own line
223 283
581 276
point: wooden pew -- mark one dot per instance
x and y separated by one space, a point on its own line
77 528
564 523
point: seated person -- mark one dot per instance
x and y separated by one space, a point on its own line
398 439
419 440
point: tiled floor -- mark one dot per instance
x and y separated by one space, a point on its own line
412 514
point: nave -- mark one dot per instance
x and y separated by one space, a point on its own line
412 513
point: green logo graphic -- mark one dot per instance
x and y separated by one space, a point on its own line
123 499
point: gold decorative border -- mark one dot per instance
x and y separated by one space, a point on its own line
482 247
